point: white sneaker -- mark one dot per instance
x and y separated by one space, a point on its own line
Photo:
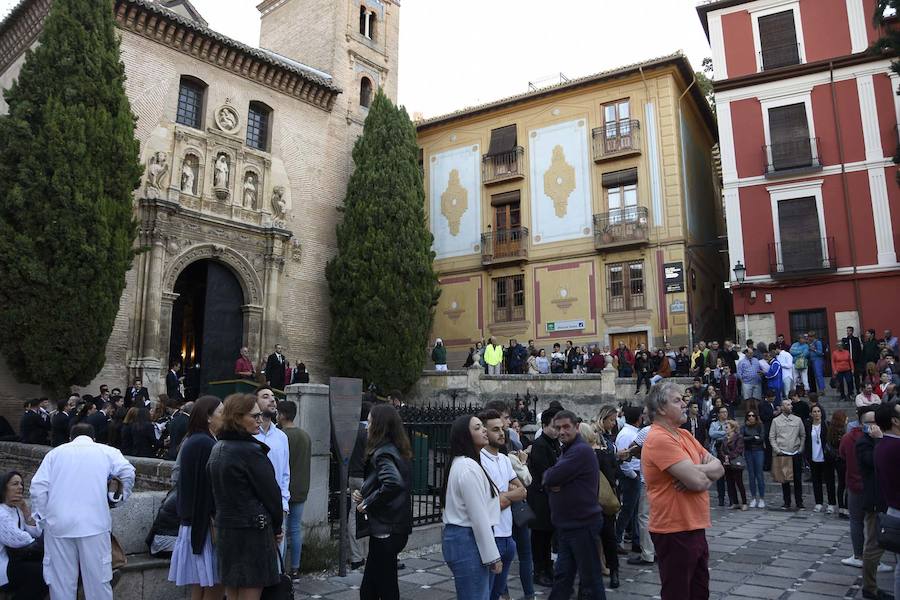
761 503
852 561
817 508
753 503
883 568
829 509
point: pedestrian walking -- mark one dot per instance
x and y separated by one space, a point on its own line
249 513
500 470
77 474
678 472
734 462
544 454
383 503
20 572
299 461
471 504
753 433
193 557
572 484
820 454
787 436
887 457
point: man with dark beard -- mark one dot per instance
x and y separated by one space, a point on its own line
544 454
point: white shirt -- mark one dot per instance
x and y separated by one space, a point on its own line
68 492
469 504
501 472
279 456
818 455
13 536
632 467
787 365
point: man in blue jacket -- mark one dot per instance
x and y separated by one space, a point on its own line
572 484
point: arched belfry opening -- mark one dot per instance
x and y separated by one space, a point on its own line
207 328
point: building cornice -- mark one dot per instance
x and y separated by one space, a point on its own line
155 22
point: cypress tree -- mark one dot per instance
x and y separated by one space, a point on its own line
68 166
381 283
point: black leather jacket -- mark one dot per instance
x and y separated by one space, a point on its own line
243 483
386 492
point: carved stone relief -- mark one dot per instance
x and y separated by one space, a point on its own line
157 167
227 119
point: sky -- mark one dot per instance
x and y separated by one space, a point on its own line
467 52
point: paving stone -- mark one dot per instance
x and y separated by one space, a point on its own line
755 591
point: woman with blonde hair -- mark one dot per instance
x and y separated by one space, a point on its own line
605 449
733 455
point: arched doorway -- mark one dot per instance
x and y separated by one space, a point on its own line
207 324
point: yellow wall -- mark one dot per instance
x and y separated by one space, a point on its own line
567 280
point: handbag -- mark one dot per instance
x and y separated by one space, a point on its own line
889 532
33 552
609 502
522 514
284 589
801 363
737 462
833 382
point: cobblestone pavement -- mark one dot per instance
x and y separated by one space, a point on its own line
763 554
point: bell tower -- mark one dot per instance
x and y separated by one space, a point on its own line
353 41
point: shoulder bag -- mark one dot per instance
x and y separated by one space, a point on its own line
607 497
284 589
522 514
889 532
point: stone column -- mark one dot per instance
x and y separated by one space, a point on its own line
608 384
252 331
153 298
314 417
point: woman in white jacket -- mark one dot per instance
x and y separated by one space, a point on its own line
22 576
471 508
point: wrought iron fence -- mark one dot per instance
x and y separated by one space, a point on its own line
504 244
615 138
506 165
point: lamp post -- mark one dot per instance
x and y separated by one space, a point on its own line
740 272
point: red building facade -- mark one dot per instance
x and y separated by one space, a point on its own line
808 123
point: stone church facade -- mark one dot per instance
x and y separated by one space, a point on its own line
247 153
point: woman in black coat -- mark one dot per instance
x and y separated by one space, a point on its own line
248 502
384 503
543 454
605 449
138 436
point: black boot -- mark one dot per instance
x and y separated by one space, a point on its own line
613 580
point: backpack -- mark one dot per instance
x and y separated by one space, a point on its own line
557 365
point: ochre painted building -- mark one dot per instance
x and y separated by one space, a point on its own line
587 210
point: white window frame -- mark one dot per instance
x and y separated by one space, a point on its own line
803 98
792 191
771 10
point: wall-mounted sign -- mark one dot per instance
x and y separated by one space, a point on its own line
572 325
677 306
674 277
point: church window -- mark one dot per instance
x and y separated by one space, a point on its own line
191 94
258 118
372 26
365 92
363 20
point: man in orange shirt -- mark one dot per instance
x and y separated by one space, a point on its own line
678 472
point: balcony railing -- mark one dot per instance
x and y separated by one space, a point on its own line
504 245
796 155
621 227
616 139
800 257
501 167
782 55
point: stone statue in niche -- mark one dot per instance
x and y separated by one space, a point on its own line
189 174
250 191
221 178
157 167
279 204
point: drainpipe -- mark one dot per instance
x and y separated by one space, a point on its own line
846 193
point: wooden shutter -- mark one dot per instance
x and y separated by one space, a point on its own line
801 239
778 40
502 140
789 134
620 178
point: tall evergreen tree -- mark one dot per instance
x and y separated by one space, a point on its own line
382 286
68 166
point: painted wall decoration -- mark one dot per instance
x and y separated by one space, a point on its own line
559 158
565 294
459 318
455 198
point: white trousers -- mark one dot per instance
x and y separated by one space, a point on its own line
64 557
801 375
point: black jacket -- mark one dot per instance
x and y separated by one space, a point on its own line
137 440
195 496
137 397
100 423
173 389
177 428
755 436
855 347
700 432
166 521
275 371
33 429
59 428
245 491
544 454
386 494
827 451
865 460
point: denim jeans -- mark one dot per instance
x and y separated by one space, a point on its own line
579 553
755 459
522 537
471 578
845 384
507 548
818 367
857 522
294 535
631 496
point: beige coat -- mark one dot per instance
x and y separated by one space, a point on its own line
787 434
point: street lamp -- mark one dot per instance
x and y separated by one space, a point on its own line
739 272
